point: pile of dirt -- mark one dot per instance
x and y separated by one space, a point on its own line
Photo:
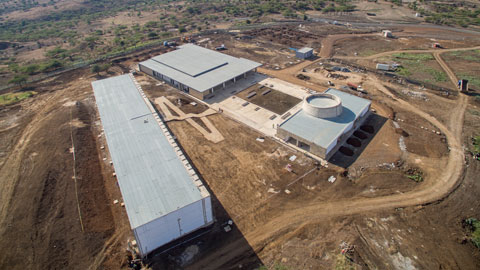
303 77
337 76
402 132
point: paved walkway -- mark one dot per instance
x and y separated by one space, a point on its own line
214 135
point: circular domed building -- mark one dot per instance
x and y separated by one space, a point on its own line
325 122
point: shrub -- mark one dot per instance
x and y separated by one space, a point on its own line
474 226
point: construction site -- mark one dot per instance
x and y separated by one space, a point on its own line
266 157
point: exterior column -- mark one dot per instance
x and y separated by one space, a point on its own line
234 79
244 75
223 84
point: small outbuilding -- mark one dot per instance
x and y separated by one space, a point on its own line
325 122
384 67
304 53
387 33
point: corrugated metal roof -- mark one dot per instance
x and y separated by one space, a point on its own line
199 68
323 131
152 179
304 50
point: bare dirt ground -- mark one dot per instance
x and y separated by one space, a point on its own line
369 45
270 54
298 219
465 66
274 101
37 182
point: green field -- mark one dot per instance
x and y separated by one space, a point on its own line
415 65
473 55
11 98
466 65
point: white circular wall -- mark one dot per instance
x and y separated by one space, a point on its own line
322 105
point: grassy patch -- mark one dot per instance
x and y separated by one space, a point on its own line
476 146
343 263
474 226
476 113
414 56
11 98
415 175
438 76
473 55
403 71
472 79
414 65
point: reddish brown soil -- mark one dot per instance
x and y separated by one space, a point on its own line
41 228
274 101
49 230
420 141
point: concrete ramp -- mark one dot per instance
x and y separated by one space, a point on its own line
214 135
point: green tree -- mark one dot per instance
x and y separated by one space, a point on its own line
19 79
105 67
96 69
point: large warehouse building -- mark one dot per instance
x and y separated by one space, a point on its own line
325 122
163 196
197 70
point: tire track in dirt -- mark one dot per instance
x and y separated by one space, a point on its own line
11 168
314 212
328 43
280 227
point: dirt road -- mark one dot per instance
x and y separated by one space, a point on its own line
40 223
438 51
280 227
328 43
289 75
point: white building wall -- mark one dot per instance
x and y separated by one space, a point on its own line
174 225
362 114
330 147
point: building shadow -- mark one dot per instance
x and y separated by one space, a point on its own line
343 160
472 93
232 89
200 249
313 57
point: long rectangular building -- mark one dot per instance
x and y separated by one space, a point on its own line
163 196
197 70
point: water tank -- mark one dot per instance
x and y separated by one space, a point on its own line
322 105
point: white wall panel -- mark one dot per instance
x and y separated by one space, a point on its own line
173 225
